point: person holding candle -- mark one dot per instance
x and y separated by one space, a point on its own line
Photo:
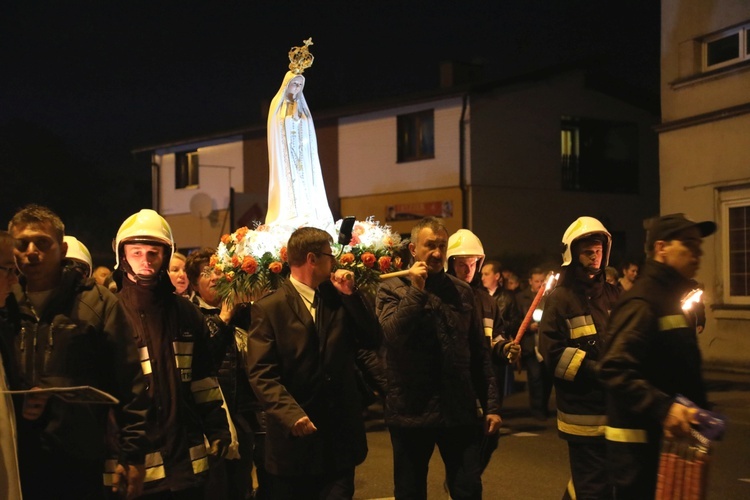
570 341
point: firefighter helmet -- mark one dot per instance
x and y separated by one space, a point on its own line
78 253
147 227
584 227
464 243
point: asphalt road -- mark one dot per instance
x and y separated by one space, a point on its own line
531 462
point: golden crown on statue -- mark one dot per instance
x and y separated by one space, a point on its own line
300 58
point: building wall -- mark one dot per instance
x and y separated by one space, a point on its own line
515 190
368 154
701 160
376 206
683 22
221 167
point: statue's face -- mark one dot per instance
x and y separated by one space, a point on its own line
295 87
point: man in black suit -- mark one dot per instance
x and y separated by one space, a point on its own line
302 346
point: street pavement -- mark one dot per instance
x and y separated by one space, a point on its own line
531 462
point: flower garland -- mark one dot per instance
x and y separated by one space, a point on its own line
253 263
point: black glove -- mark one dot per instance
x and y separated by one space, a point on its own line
218 448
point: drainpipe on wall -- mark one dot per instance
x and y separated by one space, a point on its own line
465 215
155 186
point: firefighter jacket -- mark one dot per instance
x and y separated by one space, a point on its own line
186 402
437 359
81 337
571 336
652 356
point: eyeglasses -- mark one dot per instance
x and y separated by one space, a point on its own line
9 270
334 262
209 271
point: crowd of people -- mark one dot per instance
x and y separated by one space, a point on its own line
266 400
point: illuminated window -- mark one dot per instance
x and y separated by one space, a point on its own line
726 48
598 155
186 170
416 136
735 205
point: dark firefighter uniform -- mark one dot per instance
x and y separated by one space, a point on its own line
571 336
172 339
653 355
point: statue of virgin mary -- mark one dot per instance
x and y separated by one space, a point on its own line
296 193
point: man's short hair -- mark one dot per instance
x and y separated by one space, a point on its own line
305 240
38 215
626 265
611 272
497 267
196 262
434 223
536 270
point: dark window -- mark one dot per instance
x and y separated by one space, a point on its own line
416 136
730 47
599 155
739 251
723 50
186 169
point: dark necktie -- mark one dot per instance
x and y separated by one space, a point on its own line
318 310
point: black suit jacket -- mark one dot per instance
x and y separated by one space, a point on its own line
296 370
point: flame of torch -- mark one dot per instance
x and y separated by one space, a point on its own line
691 299
547 285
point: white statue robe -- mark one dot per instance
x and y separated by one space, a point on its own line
296 193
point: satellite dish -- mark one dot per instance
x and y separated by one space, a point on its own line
201 205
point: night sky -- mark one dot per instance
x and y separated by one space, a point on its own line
84 83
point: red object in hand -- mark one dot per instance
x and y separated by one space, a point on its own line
527 320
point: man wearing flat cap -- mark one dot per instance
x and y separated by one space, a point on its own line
653 356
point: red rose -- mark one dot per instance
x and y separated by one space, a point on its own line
226 239
249 265
236 261
397 262
241 232
347 258
368 259
384 263
282 254
275 267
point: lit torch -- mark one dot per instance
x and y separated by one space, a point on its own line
546 286
693 297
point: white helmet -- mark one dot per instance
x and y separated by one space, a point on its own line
464 243
582 228
78 252
146 226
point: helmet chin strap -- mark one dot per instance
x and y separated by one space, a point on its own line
594 271
145 280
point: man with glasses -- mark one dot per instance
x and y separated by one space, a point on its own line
653 356
72 333
302 346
